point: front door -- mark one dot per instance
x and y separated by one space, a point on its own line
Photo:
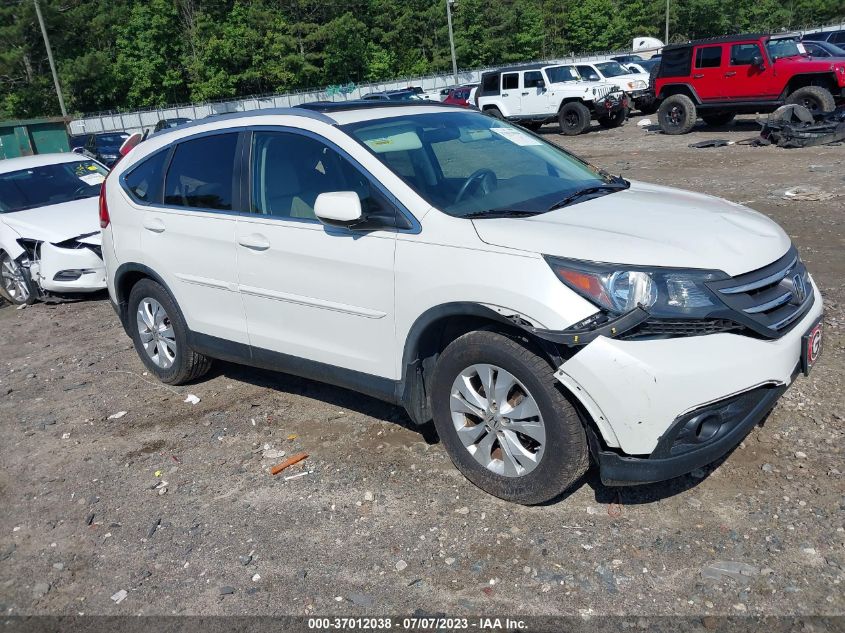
535 98
746 81
311 291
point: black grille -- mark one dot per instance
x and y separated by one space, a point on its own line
770 300
655 328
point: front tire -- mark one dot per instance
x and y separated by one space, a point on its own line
524 442
815 98
160 335
574 118
14 285
676 114
614 120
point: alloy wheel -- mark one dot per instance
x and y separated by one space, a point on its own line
497 420
13 281
156 332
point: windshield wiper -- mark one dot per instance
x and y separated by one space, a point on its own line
586 192
501 213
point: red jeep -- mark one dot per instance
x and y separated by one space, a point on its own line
722 77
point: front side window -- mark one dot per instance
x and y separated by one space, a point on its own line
289 171
468 164
708 57
200 173
743 54
510 81
44 185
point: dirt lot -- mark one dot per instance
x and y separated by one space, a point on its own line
381 523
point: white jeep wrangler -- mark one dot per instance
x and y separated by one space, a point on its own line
536 94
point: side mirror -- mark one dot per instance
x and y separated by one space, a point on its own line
757 61
78 150
338 208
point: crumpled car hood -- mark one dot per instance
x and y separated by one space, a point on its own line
58 222
647 225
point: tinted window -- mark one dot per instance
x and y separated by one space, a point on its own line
675 62
533 79
742 54
200 173
710 57
145 180
838 38
289 171
490 83
510 81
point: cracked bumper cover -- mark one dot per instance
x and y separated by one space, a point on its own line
55 260
640 393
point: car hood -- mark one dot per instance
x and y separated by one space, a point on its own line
58 222
647 225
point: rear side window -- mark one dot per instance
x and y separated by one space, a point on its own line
675 62
708 57
200 174
742 54
146 179
490 83
510 81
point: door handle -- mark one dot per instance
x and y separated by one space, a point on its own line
730 74
155 225
524 93
698 76
254 242
504 94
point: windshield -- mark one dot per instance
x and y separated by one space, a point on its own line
50 184
559 74
781 48
469 164
612 69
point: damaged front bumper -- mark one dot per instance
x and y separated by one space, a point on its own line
662 407
72 266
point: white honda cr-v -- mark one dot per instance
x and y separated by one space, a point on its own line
538 309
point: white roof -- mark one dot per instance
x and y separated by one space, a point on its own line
369 113
38 160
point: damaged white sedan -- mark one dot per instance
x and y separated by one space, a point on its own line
49 229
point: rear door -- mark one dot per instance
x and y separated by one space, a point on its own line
534 96
707 72
511 99
743 80
190 239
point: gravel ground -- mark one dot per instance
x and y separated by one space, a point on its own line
380 522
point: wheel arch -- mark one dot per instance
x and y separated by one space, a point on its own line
436 328
125 278
675 89
826 80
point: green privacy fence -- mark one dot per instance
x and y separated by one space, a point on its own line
33 136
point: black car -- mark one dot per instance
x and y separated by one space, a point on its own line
834 37
104 147
823 49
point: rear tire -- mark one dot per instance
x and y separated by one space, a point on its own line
494 112
815 98
718 119
574 118
676 114
616 119
161 337
526 468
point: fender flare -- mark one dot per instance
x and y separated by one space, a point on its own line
693 94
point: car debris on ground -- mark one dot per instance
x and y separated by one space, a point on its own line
792 126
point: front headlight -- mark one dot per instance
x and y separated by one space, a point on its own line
639 84
663 292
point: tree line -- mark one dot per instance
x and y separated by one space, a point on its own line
145 53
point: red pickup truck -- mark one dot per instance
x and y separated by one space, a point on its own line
719 78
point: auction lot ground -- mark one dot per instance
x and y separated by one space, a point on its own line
381 523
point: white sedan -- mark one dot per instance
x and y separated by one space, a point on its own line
50 243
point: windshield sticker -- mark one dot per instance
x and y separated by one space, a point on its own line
515 136
92 179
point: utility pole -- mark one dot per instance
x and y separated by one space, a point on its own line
666 39
50 59
449 4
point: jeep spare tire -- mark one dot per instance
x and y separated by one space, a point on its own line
574 118
815 98
676 114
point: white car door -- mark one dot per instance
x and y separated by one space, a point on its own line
535 99
190 239
511 99
311 291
